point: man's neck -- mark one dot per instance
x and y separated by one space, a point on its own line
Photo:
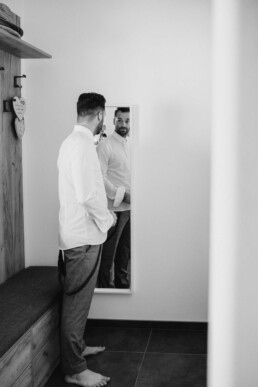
86 124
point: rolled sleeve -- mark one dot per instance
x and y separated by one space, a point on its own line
120 193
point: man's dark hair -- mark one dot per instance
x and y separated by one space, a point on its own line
122 110
90 104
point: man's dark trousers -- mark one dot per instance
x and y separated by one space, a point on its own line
79 264
117 251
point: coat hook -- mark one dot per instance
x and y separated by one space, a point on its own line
15 80
6 106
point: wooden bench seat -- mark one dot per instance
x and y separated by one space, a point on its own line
29 327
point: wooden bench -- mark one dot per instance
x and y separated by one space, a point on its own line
29 327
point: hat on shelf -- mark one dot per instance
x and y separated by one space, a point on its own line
7 14
8 20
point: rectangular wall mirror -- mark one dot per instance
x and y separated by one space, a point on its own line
113 147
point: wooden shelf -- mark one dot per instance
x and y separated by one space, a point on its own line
19 47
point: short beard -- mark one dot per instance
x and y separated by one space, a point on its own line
122 134
98 128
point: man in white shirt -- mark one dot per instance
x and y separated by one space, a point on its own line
115 160
84 220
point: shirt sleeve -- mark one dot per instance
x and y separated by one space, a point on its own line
113 192
86 192
99 213
82 172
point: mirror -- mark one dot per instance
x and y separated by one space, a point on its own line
113 147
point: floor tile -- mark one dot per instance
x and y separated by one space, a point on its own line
170 370
57 379
118 339
178 341
122 367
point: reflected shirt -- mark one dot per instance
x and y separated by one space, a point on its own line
115 159
84 218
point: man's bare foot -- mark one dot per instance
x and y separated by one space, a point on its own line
87 378
93 351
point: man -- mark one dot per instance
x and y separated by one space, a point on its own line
115 159
84 220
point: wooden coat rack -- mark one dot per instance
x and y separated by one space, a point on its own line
12 50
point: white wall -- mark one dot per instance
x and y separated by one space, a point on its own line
154 54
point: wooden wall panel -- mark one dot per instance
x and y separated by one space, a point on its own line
11 190
2 249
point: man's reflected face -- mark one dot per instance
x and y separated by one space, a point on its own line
122 123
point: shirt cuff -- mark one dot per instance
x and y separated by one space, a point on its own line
120 193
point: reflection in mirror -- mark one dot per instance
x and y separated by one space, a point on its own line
114 152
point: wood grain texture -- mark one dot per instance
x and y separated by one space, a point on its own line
33 358
2 247
13 363
25 380
46 361
44 329
11 190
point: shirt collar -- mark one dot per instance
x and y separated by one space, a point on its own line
120 138
83 129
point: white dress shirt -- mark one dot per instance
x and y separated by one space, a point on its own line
83 217
115 159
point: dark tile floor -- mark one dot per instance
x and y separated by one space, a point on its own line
146 357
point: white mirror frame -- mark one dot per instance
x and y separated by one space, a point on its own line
131 289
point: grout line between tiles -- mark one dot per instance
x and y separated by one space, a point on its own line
177 353
125 351
159 353
135 385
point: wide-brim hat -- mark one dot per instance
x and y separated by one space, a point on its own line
8 20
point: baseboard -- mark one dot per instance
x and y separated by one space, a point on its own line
184 325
